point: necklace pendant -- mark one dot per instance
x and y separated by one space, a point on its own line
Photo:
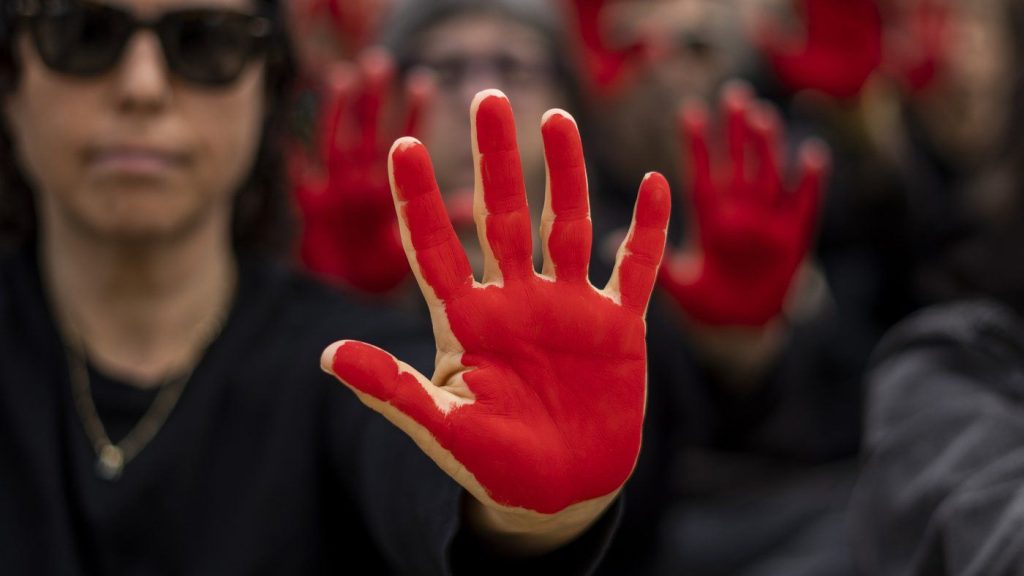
110 462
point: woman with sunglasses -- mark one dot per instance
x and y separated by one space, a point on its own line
161 406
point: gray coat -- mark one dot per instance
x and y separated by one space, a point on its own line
942 490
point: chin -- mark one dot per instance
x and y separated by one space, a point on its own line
141 224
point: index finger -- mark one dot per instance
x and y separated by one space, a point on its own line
435 254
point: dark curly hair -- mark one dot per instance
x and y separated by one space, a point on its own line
263 220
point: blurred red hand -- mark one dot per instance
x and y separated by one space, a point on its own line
752 233
537 399
918 31
349 231
840 49
605 65
358 21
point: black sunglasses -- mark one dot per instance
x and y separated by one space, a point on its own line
209 47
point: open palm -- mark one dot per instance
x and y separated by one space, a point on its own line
538 394
752 233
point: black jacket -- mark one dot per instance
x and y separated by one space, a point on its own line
266 466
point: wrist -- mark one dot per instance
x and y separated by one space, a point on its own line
521 532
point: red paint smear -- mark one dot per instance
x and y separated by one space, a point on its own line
441 259
571 236
509 233
841 49
557 370
559 377
645 243
349 230
753 234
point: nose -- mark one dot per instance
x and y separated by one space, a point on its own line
142 79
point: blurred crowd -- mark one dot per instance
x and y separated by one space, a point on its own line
837 165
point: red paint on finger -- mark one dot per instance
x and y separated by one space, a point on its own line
376 373
507 225
571 236
441 261
557 370
645 243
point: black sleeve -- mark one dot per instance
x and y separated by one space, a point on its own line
581 556
942 490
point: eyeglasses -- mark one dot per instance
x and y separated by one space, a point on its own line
209 47
509 70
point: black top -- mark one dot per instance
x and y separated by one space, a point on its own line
266 465
941 491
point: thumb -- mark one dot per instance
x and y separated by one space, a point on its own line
391 387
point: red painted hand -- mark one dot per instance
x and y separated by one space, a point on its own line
752 234
840 50
606 66
537 399
349 230
917 36
358 21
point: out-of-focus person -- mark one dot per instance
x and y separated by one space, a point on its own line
470 45
162 409
940 492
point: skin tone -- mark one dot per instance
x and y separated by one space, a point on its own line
134 173
486 38
965 111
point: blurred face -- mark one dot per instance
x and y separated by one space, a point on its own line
136 154
702 43
474 52
967 108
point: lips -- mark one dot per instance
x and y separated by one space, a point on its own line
138 161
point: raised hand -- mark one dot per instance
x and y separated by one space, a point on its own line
349 231
840 49
918 33
537 399
606 66
752 233
357 21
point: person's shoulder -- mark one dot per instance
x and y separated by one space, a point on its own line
950 361
982 326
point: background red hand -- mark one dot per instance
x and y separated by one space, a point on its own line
606 65
752 234
840 49
349 230
537 400
358 21
917 35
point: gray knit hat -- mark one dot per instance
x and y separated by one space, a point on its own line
410 18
